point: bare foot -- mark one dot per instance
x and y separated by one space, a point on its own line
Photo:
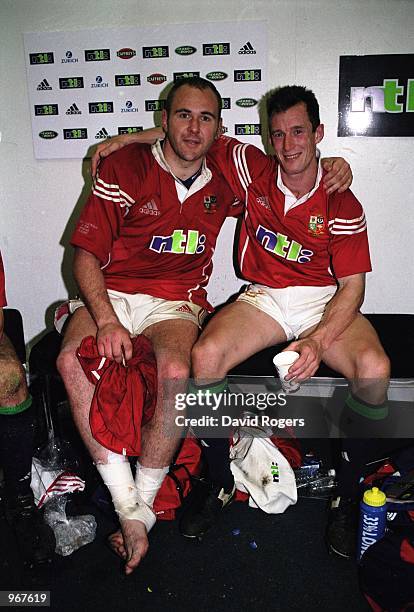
131 544
116 543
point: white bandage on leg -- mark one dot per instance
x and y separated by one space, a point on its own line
117 476
148 481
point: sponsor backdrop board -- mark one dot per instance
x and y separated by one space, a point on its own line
376 95
87 85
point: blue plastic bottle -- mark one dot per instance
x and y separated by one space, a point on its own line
373 519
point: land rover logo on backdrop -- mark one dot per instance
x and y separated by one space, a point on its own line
376 95
48 134
216 76
246 102
185 50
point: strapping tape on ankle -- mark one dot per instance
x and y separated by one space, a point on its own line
127 502
138 511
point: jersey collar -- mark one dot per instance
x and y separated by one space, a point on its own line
290 198
182 191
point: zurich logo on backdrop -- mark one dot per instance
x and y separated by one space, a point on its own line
69 59
99 82
129 107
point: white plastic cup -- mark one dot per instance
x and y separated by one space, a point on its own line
282 362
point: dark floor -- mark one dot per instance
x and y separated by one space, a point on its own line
289 570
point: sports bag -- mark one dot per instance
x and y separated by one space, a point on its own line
179 481
386 573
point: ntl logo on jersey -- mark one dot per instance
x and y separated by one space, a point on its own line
181 242
280 245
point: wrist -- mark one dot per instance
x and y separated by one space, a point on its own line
104 321
320 338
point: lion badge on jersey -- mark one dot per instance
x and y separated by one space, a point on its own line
210 204
316 226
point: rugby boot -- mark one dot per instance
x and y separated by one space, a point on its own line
205 509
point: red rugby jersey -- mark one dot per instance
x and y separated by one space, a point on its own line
3 301
315 242
147 240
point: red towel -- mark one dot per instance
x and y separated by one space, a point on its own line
125 396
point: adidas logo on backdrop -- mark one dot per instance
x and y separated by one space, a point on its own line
43 85
247 49
102 133
73 110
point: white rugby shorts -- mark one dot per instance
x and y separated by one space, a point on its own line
296 309
138 311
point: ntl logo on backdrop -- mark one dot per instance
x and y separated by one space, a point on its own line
376 95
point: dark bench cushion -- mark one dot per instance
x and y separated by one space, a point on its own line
396 332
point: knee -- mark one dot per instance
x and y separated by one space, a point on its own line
12 381
67 363
174 369
208 360
373 364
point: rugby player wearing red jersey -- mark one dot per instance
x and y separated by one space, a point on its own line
148 232
294 235
306 254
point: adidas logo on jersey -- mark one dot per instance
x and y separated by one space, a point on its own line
247 49
263 201
184 308
43 85
150 208
102 133
73 110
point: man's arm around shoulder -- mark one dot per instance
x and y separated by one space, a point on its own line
112 338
